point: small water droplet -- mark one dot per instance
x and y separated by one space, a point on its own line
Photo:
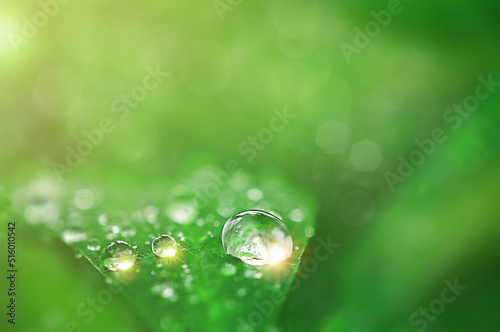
225 211
182 206
85 199
189 279
251 273
128 232
200 222
309 231
255 194
94 245
228 270
111 236
296 215
242 292
216 223
72 235
257 238
103 219
151 212
167 292
119 256
164 246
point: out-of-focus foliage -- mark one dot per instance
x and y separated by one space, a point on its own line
351 122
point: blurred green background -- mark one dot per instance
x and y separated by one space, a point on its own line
231 66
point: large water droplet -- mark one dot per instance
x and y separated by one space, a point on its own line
164 246
119 256
257 238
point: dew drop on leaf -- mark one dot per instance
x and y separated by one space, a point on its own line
164 246
119 256
93 245
257 238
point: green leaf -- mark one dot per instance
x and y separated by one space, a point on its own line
201 288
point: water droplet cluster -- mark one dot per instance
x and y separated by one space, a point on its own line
169 236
